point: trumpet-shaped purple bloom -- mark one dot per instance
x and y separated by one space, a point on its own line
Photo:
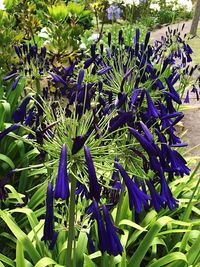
157 200
20 112
114 246
187 98
49 224
137 198
151 110
8 130
94 186
148 134
148 147
16 82
103 242
167 194
62 184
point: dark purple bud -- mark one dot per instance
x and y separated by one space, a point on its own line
62 184
18 51
49 217
152 110
137 36
109 39
102 235
16 82
120 120
137 198
148 147
104 70
93 50
94 186
80 76
8 130
127 74
147 132
10 76
157 200
20 112
146 41
114 246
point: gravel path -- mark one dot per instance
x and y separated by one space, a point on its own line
191 120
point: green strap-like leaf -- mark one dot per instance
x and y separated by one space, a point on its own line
7 160
132 224
174 256
88 262
21 236
142 249
20 260
46 262
6 260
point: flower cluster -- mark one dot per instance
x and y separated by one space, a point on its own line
121 109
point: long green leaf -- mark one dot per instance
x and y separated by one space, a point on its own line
6 260
46 262
174 256
145 244
21 236
7 160
20 260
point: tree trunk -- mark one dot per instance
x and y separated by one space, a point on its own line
195 21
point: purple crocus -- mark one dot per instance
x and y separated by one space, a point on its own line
62 184
137 198
94 186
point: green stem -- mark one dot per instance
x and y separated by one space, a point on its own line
71 223
37 81
119 207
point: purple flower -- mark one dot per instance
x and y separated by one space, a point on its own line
147 132
157 200
187 99
62 184
114 246
151 110
137 198
119 120
16 82
20 112
167 194
148 147
8 130
102 235
49 224
94 186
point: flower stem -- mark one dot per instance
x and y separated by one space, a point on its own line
71 223
119 207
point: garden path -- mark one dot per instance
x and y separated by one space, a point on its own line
191 120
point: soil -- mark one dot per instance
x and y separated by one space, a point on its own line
191 120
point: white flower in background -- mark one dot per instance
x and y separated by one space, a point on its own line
43 33
2 6
82 46
131 2
94 37
155 6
